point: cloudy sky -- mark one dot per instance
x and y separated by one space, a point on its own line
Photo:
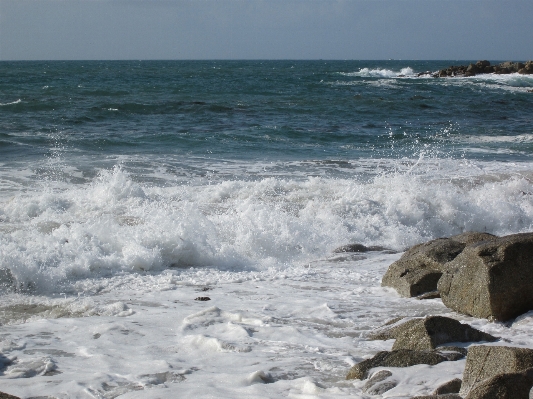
266 29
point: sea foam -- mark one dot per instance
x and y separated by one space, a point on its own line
113 225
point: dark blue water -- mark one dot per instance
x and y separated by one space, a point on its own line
252 110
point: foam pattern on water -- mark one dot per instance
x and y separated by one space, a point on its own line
115 225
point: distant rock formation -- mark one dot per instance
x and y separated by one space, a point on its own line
524 68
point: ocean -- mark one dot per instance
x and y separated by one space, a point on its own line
129 189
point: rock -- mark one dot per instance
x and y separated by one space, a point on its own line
491 279
358 248
429 295
445 396
202 298
452 386
399 358
482 64
432 331
420 267
471 237
376 385
7 396
484 362
504 386
488 69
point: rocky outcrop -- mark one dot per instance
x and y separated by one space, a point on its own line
399 358
419 269
484 66
486 362
491 279
504 386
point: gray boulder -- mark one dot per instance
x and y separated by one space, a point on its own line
484 362
432 331
420 267
491 279
504 386
452 386
429 332
399 358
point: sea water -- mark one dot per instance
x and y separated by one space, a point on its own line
130 189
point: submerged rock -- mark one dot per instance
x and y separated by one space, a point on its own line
504 386
491 279
485 362
358 248
376 385
398 358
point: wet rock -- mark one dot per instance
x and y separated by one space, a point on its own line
358 248
429 295
420 267
471 237
485 362
491 279
202 298
376 385
7 396
432 331
452 386
398 358
504 386
445 396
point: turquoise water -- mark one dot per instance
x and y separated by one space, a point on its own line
119 167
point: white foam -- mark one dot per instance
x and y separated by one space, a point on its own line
380 73
51 238
11 103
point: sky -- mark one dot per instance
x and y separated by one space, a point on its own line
266 29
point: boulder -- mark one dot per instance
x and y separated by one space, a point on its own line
432 331
399 358
491 279
484 362
452 386
471 237
428 333
7 396
376 385
482 64
420 267
504 386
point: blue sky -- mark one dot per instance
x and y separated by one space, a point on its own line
266 29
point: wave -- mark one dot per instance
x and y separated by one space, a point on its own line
380 73
11 103
114 225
